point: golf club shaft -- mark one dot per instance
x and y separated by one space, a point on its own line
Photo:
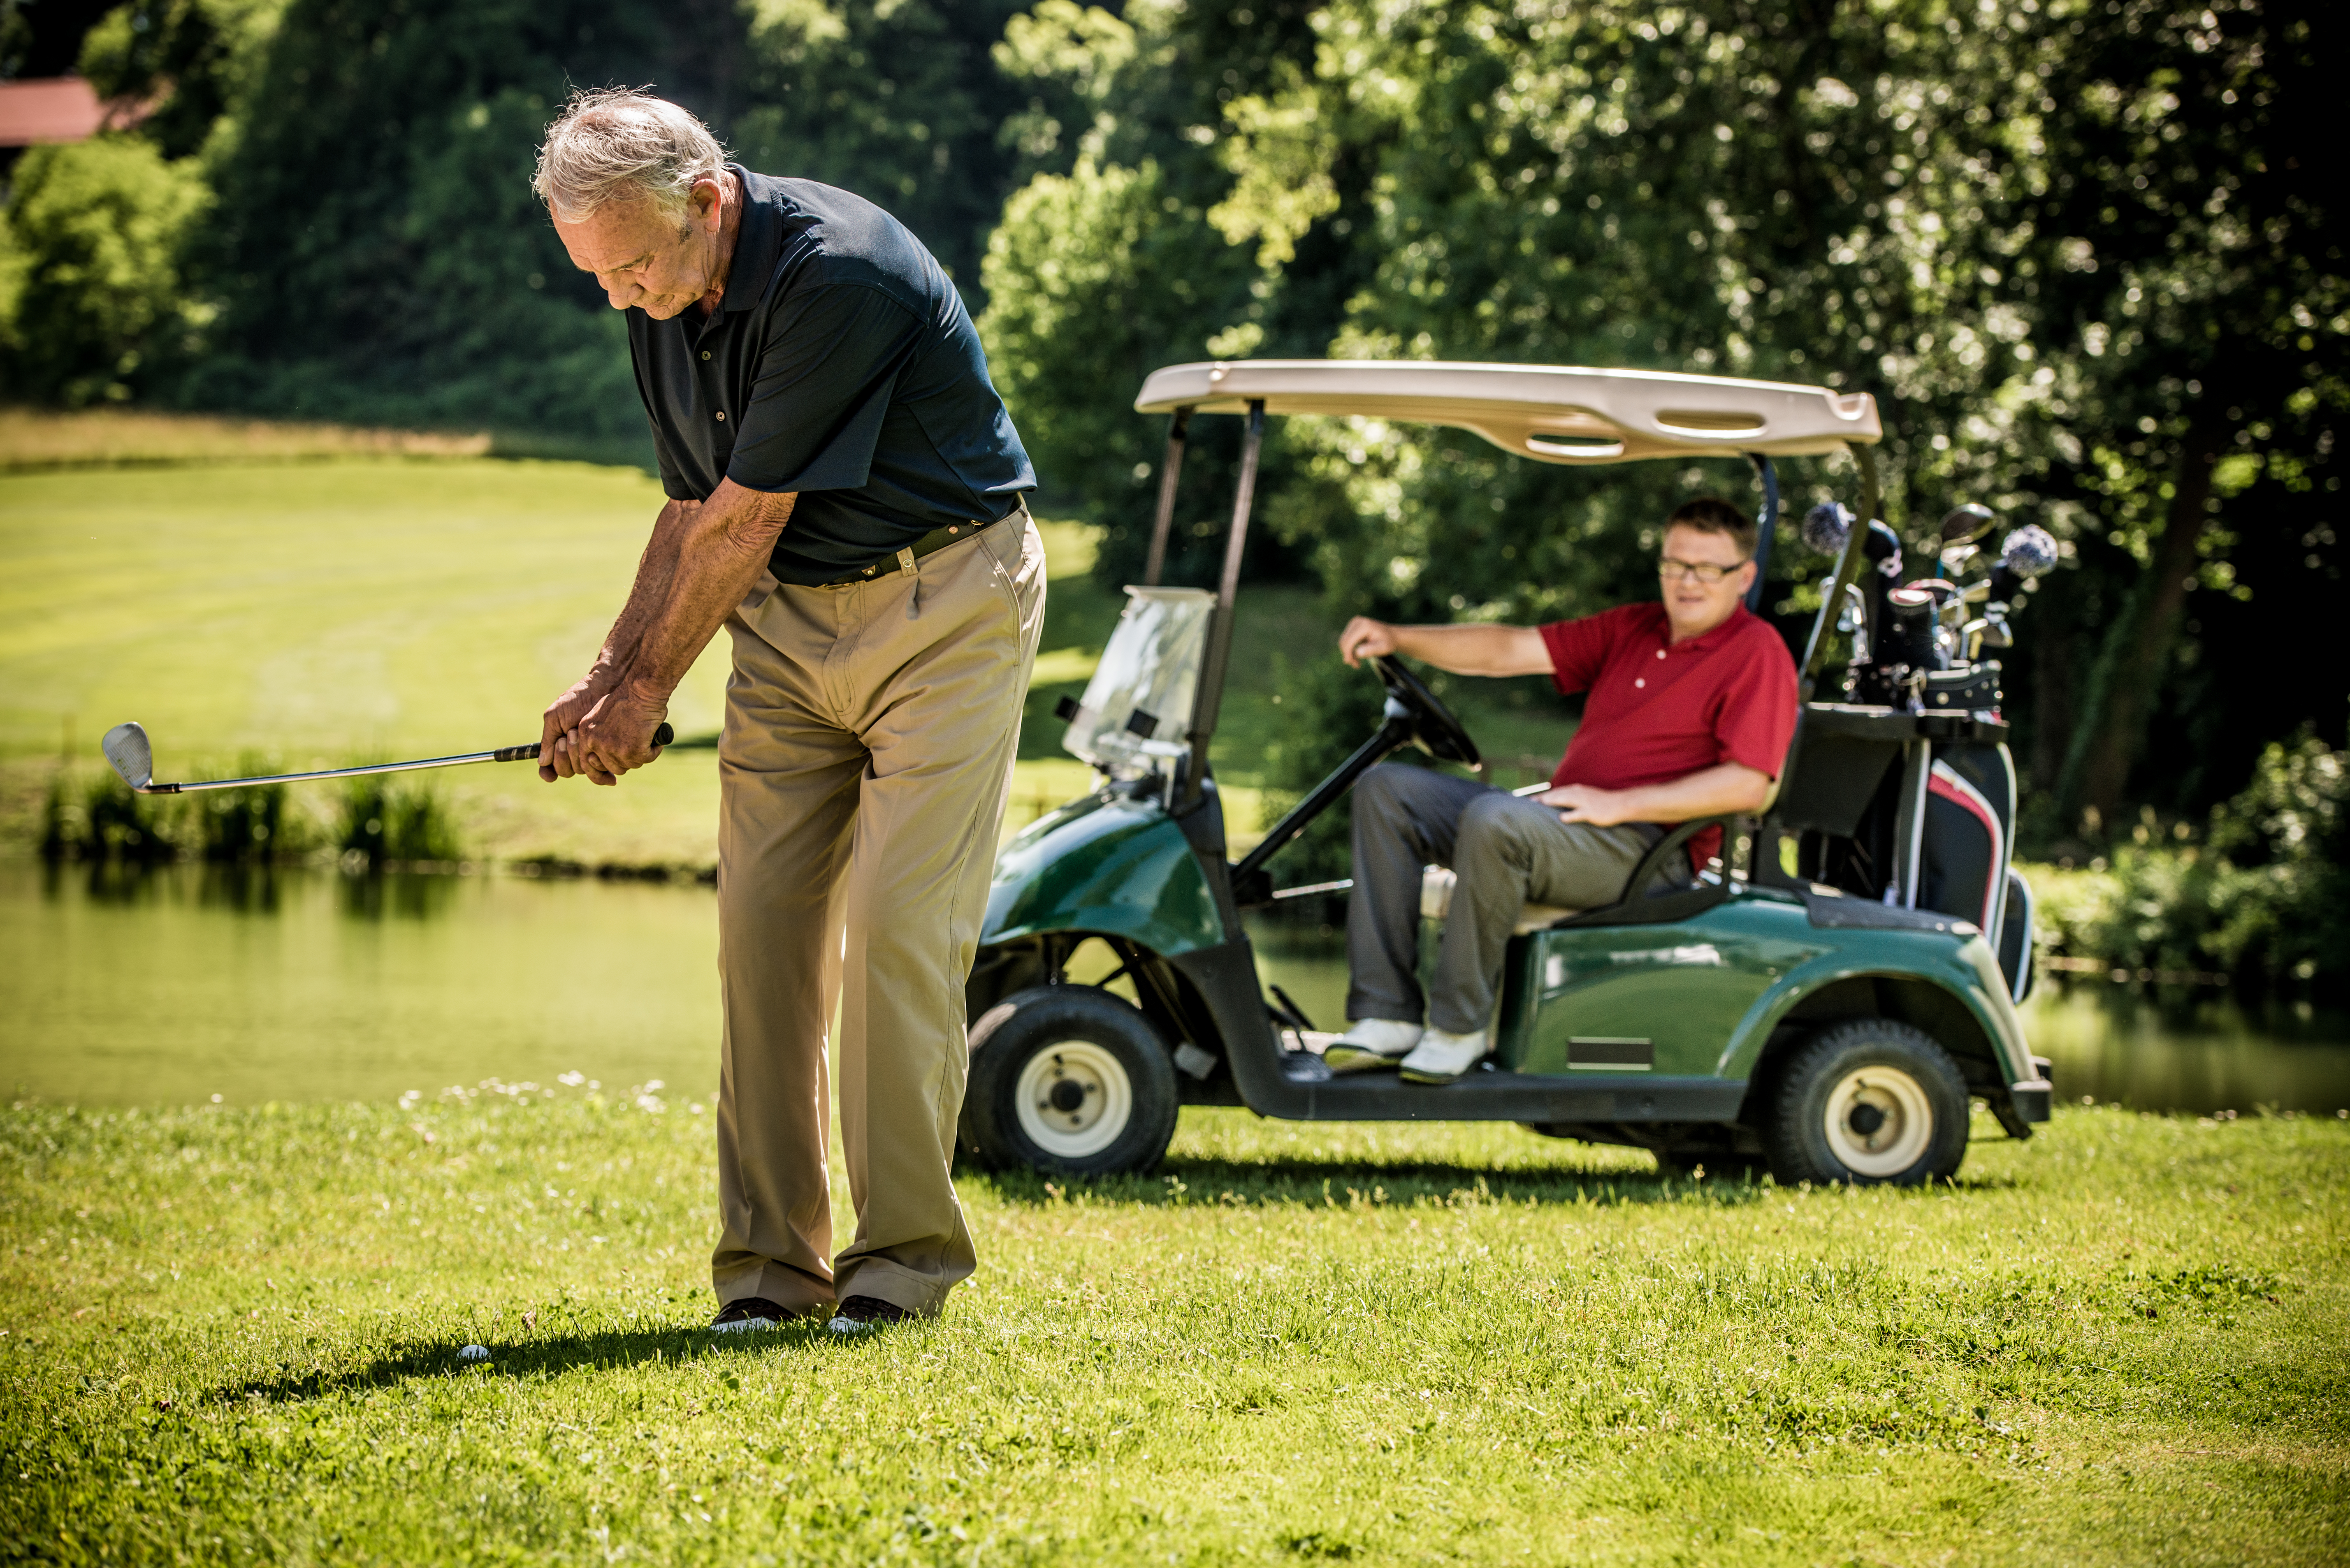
661 737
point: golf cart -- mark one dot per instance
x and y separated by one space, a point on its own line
1825 997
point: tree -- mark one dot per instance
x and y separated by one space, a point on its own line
2189 253
901 103
1108 263
91 292
1913 198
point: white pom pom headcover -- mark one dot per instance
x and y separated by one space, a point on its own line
1826 526
2029 551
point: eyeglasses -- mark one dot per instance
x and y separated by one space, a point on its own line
1705 571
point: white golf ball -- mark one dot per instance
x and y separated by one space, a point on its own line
474 1353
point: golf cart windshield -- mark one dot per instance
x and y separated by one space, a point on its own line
1137 709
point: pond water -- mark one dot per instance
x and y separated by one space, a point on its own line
170 987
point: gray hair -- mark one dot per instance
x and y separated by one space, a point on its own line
616 143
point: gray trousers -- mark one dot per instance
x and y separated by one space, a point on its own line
1506 852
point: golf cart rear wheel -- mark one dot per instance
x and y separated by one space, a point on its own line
1070 1081
1869 1102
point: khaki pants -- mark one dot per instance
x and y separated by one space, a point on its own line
868 752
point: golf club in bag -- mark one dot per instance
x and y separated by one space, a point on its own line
126 746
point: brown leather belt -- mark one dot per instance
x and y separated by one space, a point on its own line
937 539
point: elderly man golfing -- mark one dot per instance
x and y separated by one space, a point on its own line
848 498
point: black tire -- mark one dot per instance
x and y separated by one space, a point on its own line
1869 1102
1068 1080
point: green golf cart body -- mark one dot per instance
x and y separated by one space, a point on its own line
1671 1022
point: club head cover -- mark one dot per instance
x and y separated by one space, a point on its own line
1826 526
2029 551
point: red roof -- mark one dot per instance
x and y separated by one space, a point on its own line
57 108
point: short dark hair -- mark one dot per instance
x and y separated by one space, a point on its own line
1713 514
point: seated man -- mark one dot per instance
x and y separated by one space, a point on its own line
1692 704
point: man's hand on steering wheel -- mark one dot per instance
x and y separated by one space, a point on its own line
1364 638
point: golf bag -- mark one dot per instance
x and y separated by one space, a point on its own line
1904 792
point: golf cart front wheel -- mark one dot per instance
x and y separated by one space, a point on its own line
1869 1102
1068 1080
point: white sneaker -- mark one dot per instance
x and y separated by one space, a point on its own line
1441 1058
1370 1043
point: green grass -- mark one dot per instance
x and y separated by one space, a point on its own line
369 607
304 612
232 1336
303 595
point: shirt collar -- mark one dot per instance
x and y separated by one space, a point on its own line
757 243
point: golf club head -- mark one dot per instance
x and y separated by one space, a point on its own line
126 747
1966 523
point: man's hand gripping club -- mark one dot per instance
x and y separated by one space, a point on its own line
703 558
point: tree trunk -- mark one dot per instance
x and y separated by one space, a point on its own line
2131 670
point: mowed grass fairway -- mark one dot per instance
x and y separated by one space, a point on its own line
232 1336
300 614
331 605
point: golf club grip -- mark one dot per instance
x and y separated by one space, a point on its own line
661 737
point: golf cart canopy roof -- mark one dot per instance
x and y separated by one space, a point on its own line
1552 413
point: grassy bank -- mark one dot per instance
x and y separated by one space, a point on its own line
231 1335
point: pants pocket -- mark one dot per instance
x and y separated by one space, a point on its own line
1019 560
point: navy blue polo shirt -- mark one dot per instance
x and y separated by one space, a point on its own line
840 363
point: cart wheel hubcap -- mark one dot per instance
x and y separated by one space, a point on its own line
1880 1122
1074 1099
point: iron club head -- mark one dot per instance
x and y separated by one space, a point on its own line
126 747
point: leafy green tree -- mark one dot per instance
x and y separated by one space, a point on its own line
1921 200
899 102
1108 263
2190 271
376 248
91 297
187 61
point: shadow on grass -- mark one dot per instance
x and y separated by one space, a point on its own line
1194 1182
547 1355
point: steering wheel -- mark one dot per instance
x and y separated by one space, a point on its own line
1434 730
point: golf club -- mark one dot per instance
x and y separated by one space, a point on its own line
126 746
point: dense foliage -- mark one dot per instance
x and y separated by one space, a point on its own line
372 251
2070 248
90 286
2260 893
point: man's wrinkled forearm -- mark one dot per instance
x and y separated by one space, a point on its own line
721 549
655 568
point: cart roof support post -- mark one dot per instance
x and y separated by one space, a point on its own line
1219 626
1170 469
1848 569
1766 526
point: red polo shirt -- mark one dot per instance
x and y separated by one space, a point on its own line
1661 711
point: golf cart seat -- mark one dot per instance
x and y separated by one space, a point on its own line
1436 885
